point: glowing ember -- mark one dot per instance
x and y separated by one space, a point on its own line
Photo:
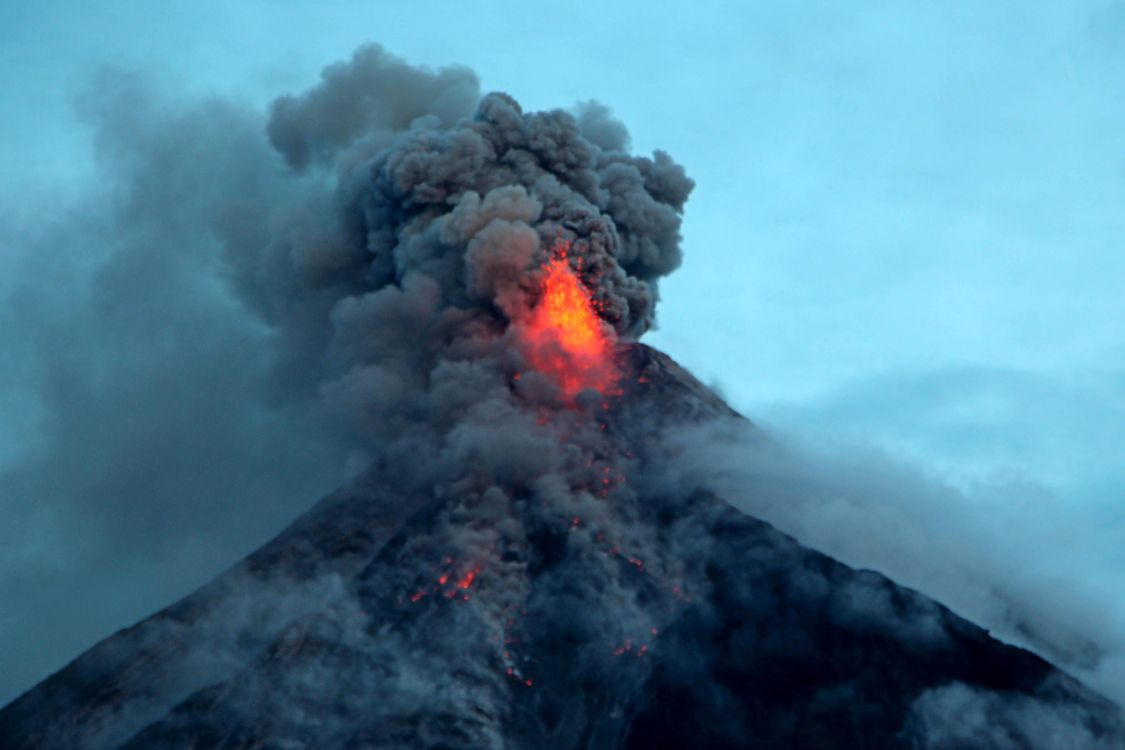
467 581
452 588
568 341
628 648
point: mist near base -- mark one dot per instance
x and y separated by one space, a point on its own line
982 552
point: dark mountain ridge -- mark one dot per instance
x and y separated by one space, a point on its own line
392 615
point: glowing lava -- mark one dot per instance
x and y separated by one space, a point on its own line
567 339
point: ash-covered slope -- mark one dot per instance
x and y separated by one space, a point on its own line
520 614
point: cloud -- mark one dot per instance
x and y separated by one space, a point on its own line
371 95
923 478
957 715
150 445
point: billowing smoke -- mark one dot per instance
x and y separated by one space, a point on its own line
438 210
410 286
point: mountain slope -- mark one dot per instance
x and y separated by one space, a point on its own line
514 614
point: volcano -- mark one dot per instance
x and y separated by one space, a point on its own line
651 619
460 287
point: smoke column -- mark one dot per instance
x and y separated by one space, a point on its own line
247 303
431 242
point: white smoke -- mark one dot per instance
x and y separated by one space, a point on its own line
870 510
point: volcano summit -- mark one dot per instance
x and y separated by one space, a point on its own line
616 614
464 283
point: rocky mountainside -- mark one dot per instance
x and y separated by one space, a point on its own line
621 611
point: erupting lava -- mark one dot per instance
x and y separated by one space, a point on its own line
567 339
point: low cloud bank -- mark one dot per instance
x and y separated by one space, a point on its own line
987 559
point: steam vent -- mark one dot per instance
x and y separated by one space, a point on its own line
516 568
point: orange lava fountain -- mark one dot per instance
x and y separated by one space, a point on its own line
567 339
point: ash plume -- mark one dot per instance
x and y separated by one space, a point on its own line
432 212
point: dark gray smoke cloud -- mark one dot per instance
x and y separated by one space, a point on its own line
372 95
434 213
247 307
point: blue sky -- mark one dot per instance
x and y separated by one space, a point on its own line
905 237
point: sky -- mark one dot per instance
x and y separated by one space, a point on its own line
903 248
